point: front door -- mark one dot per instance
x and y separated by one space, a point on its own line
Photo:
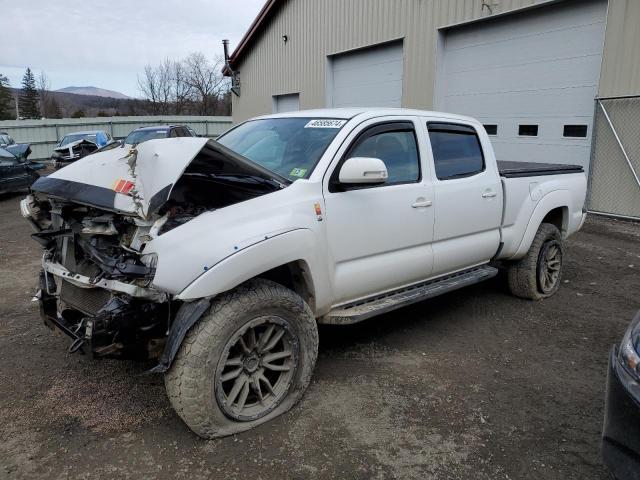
379 237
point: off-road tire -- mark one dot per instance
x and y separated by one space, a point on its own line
190 380
523 274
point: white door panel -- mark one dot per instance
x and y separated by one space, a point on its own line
467 223
377 239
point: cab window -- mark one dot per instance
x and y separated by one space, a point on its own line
456 150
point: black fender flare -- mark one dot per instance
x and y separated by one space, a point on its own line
186 317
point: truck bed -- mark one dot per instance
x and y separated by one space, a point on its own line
535 169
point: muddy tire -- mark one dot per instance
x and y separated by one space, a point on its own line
245 362
538 274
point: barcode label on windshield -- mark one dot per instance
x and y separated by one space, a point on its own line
325 123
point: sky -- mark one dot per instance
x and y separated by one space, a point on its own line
106 44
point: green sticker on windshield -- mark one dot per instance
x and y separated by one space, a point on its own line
298 172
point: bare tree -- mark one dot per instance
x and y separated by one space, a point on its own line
206 80
148 85
182 91
44 93
156 85
193 85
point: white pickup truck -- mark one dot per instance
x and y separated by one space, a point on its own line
219 258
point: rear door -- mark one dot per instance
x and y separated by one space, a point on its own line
379 236
467 197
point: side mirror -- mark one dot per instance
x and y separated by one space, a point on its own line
363 171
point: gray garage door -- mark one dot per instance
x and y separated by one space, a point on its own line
371 77
286 103
532 77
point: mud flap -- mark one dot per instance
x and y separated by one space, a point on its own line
186 318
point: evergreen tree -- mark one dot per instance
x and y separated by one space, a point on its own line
28 101
6 99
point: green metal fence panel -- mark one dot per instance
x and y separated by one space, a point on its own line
44 135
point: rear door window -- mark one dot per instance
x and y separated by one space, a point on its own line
456 150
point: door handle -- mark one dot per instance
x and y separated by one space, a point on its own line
489 194
421 203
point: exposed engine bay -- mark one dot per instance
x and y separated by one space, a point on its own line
96 284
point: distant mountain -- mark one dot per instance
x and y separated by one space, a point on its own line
94 91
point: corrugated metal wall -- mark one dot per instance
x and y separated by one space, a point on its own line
621 60
317 28
43 135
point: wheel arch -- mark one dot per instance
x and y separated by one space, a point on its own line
553 208
290 259
296 276
559 217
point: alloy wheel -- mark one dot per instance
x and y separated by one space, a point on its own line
256 369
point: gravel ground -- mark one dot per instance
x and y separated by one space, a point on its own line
474 384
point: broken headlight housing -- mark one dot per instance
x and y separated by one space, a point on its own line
629 351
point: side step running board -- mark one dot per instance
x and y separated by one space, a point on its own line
364 309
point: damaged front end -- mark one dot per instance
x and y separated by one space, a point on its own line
96 221
95 282
72 151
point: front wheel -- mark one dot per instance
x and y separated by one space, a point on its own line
247 361
539 273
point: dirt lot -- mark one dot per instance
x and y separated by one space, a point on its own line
475 384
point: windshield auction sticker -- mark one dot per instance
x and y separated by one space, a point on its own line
325 123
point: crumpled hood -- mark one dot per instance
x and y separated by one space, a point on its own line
137 180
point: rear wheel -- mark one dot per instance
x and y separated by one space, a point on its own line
539 273
247 361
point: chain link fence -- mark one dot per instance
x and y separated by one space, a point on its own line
615 164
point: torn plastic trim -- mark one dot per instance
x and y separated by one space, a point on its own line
115 285
187 316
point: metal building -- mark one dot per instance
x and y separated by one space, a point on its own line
531 71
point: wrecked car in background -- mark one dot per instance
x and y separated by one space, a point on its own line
77 145
18 150
16 171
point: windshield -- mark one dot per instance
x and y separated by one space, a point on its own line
5 139
290 147
78 136
139 136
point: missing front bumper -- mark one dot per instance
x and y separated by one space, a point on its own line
80 280
122 327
